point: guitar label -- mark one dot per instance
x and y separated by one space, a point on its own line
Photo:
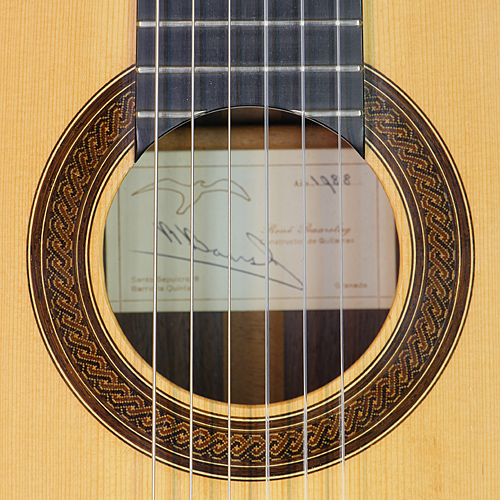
367 231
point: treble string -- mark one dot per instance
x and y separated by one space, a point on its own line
266 194
155 249
341 257
191 258
229 249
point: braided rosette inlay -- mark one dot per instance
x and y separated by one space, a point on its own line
375 403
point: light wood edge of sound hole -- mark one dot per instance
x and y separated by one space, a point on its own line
130 356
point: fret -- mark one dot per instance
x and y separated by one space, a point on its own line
354 23
249 9
249 69
175 115
169 115
344 113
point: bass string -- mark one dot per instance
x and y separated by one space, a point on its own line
155 252
191 256
304 245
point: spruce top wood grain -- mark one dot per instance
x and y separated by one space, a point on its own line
57 57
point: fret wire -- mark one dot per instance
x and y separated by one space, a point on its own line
341 259
191 257
155 253
304 247
354 23
354 68
345 113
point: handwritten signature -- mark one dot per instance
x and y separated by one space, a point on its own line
252 265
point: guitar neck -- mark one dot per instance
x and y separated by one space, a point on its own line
289 48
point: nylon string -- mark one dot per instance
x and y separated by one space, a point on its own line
341 261
155 251
266 194
191 257
304 244
229 249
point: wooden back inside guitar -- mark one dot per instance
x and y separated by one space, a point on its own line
421 403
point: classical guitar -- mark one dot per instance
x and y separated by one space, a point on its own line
400 399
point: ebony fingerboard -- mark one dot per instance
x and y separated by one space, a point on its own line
247 62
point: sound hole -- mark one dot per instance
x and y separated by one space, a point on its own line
369 274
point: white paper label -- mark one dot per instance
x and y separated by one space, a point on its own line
369 238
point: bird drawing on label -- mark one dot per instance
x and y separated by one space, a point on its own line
201 188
